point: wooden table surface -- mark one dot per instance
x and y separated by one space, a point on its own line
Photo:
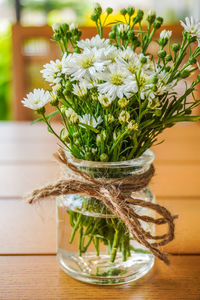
28 268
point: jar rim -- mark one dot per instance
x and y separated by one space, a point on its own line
145 159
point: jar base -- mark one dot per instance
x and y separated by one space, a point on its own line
99 270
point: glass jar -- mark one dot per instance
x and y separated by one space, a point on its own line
95 246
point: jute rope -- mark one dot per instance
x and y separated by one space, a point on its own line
115 194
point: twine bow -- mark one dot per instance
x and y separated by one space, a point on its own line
114 194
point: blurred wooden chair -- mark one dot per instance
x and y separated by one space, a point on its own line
33 46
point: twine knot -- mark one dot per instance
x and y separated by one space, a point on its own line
115 193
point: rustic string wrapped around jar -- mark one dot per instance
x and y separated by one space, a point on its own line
114 194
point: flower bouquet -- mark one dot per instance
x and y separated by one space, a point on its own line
114 98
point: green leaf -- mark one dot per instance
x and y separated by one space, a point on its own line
184 119
89 127
146 123
47 117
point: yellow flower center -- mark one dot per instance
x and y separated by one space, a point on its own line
116 79
132 68
59 67
143 79
87 62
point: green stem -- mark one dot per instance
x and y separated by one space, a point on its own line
75 228
80 240
52 130
115 246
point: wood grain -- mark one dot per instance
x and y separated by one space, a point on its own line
39 277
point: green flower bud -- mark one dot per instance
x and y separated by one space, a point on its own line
154 88
143 60
162 53
112 35
94 17
160 19
192 60
151 17
56 36
130 11
140 15
54 101
97 9
123 11
131 35
157 112
168 57
104 157
41 110
167 68
109 10
64 27
191 38
175 47
158 22
185 73
88 156
154 79
68 85
137 43
67 92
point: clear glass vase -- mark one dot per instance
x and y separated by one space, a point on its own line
95 246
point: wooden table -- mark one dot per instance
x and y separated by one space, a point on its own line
28 268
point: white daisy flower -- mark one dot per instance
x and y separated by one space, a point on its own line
132 61
37 99
165 34
110 53
66 62
52 71
80 89
128 54
118 82
85 65
191 26
95 42
90 120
